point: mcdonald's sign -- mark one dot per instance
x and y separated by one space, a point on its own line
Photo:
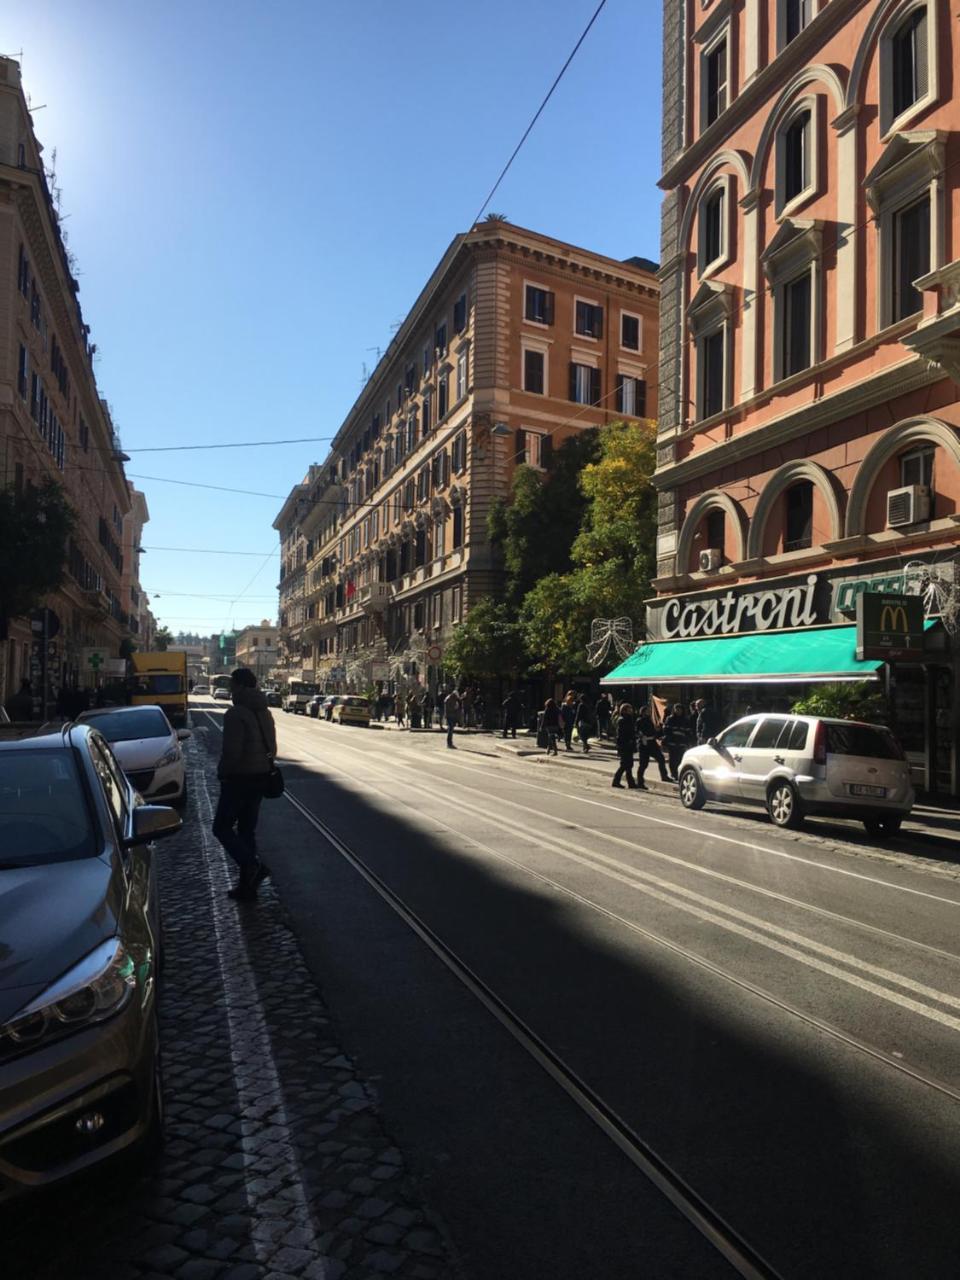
889 627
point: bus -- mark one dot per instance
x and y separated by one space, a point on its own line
220 682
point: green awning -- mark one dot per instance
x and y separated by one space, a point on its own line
762 657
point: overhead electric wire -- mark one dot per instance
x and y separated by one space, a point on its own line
539 112
211 551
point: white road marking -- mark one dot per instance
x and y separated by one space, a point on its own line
644 815
254 1069
783 941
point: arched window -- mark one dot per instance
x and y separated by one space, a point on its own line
798 516
796 157
908 65
713 235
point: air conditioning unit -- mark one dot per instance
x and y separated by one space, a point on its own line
908 505
710 559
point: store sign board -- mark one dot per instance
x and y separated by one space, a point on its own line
889 626
733 613
94 660
847 591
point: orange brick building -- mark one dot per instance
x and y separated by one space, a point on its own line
810 327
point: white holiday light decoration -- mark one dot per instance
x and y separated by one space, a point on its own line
607 634
937 586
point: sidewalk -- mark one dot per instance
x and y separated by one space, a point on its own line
934 822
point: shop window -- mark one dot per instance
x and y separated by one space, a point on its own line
799 516
911 256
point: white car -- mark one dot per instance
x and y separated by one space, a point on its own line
798 765
222 695
199 690
147 748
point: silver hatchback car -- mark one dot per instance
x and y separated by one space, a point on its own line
797 766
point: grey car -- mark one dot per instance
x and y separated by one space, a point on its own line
795 766
79 952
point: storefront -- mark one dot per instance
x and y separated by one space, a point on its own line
764 646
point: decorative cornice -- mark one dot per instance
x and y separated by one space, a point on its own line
907 375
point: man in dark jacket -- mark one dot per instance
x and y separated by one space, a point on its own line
249 746
626 744
709 722
511 713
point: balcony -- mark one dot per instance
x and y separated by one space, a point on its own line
375 597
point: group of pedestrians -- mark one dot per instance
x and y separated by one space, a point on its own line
560 720
681 729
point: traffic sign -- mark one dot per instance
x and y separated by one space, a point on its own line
44 622
434 653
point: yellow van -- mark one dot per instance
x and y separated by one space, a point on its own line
160 680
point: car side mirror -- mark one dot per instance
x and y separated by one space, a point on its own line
152 822
712 742
182 734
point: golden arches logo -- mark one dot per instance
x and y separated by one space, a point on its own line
893 617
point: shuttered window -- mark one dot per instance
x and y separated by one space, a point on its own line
911 256
909 61
538 305
533 362
796 324
584 384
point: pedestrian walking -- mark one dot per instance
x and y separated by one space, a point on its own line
551 725
413 711
511 713
584 722
568 717
451 713
604 713
246 758
626 745
398 710
678 735
648 736
709 722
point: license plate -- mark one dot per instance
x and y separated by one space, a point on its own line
864 789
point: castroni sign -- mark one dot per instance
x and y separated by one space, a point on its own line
772 609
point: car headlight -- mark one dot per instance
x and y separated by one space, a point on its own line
95 989
168 757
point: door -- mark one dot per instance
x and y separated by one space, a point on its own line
721 764
761 758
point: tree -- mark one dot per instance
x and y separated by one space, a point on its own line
535 529
859 700
613 554
488 643
35 525
163 638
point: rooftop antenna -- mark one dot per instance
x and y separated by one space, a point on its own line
365 374
378 350
396 325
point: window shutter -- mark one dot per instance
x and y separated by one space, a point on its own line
921 56
548 308
573 383
598 322
595 386
521 451
619 393
641 398
546 452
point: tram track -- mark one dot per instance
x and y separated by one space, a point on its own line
720 1233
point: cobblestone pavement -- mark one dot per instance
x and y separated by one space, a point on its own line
276 1163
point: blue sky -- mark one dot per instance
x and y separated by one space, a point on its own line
257 191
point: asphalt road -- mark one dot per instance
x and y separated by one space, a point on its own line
614 1038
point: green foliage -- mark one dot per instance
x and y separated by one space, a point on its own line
163 639
857 701
487 644
127 648
535 529
34 528
613 554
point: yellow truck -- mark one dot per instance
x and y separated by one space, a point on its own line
160 680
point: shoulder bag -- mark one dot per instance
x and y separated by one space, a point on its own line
273 785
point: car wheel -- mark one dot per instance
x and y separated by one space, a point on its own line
783 805
691 790
879 827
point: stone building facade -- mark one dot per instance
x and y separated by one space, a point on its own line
810 318
53 422
257 649
515 342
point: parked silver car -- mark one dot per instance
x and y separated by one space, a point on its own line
796 766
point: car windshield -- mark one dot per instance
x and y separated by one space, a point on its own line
355 702
862 740
128 725
159 684
43 811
